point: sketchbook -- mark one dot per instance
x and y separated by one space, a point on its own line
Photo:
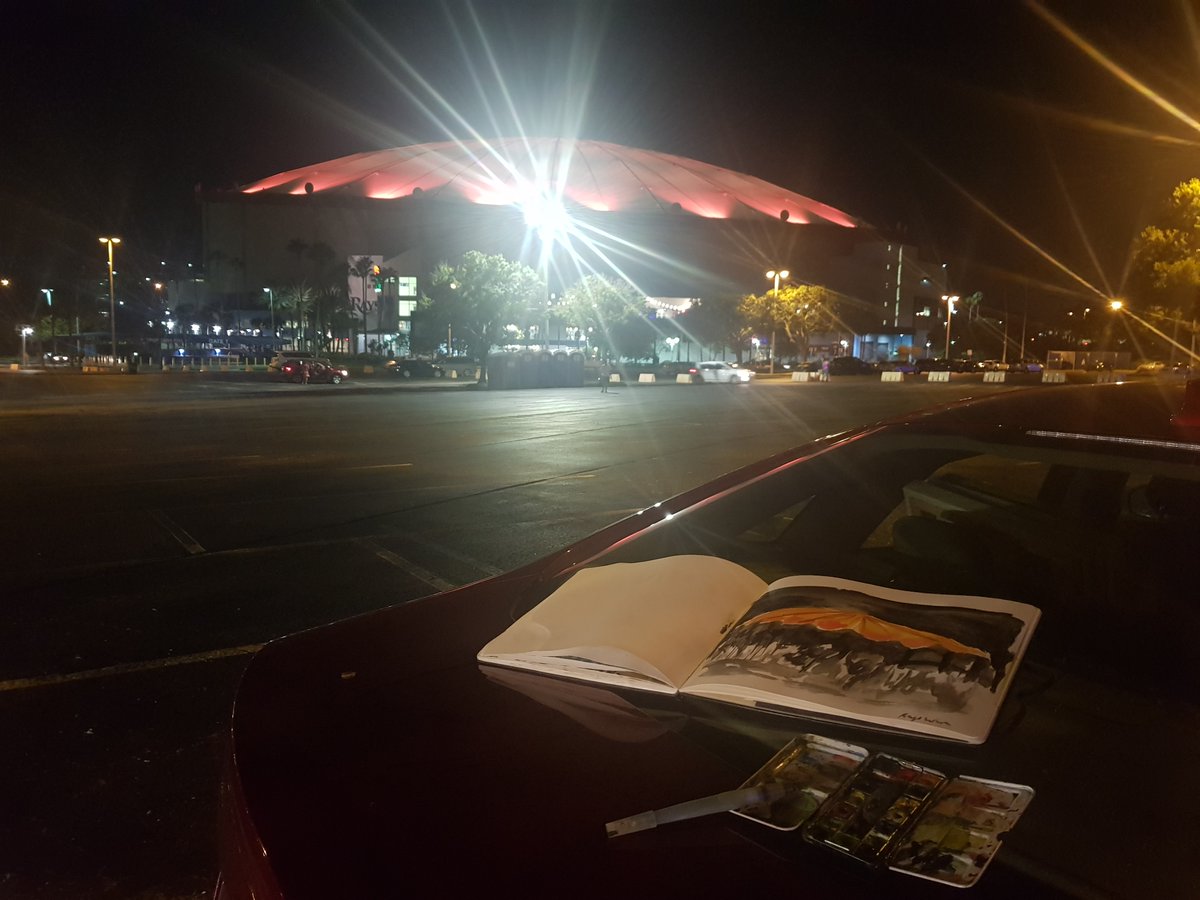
933 664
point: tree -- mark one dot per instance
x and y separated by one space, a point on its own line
1167 261
971 303
480 297
799 310
613 315
298 297
719 321
297 248
363 268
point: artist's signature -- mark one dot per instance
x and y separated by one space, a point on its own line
924 719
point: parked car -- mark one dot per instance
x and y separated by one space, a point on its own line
811 365
723 372
896 365
1150 367
283 357
849 365
377 756
930 364
1026 365
415 368
670 370
320 371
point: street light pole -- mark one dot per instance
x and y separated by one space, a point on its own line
776 274
112 294
270 292
25 332
49 292
950 299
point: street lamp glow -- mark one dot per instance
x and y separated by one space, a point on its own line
777 275
950 299
112 294
1116 305
545 214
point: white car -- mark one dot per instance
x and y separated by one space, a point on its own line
722 372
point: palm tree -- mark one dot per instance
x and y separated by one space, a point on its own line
363 267
297 248
299 297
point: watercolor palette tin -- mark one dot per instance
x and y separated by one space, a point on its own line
813 768
887 811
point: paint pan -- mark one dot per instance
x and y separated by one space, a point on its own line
889 812
870 815
956 839
812 768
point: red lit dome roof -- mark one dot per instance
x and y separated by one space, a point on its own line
591 174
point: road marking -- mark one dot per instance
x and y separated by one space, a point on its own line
386 466
405 565
20 684
455 555
189 543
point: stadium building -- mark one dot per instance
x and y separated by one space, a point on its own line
674 227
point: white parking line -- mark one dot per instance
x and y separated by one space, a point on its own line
479 565
20 684
417 572
189 543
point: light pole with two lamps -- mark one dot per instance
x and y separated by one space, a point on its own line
112 294
25 332
777 275
950 299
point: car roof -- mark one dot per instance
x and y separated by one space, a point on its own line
1128 412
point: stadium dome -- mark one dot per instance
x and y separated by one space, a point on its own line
591 175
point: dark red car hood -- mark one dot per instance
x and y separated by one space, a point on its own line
376 757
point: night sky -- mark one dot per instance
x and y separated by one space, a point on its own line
933 120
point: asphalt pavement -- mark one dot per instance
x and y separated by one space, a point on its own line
158 529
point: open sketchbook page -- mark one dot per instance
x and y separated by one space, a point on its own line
660 617
938 664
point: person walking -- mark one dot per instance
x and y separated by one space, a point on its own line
605 371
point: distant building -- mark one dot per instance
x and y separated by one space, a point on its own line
675 227
891 298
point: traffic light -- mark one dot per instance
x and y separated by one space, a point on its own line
378 280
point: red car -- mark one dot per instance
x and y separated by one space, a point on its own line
379 757
320 371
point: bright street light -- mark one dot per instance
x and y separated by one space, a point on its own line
777 275
112 294
950 299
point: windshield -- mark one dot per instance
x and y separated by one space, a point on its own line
1099 542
